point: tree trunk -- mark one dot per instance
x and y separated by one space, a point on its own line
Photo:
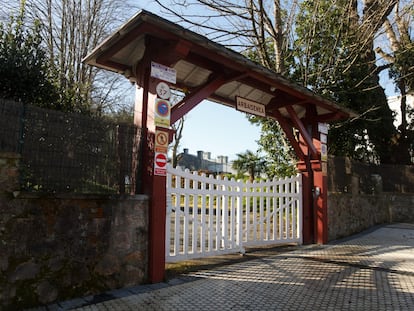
380 129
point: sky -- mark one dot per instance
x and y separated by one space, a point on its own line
218 129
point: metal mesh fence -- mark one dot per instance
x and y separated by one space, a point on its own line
346 176
64 152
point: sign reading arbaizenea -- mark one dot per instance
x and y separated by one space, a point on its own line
246 105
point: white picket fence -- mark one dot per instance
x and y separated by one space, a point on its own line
212 216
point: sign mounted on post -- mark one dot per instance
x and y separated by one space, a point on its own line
162 113
163 72
323 128
161 141
324 153
246 105
323 137
160 164
163 90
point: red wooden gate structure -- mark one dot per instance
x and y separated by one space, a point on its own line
158 55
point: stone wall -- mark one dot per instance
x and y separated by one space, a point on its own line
348 214
361 196
56 247
9 172
402 207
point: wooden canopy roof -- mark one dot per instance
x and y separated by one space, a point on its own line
207 70
202 64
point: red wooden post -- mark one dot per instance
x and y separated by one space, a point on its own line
155 187
307 223
321 207
150 184
315 191
320 187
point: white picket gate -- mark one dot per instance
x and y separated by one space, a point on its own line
212 216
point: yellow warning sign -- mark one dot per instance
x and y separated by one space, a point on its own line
161 141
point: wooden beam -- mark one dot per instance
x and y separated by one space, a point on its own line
288 129
161 51
122 42
276 103
117 67
194 98
329 117
203 62
302 130
199 94
173 53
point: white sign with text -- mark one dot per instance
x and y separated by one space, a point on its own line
246 105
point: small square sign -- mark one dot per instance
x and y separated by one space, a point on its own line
161 141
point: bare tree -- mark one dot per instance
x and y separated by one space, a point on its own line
72 28
264 26
400 41
399 61
178 128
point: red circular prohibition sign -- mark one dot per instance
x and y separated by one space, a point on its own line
161 160
163 108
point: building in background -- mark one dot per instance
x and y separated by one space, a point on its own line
203 162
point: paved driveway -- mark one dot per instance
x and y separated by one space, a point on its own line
370 271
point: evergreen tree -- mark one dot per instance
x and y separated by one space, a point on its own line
335 60
279 156
399 59
250 163
26 74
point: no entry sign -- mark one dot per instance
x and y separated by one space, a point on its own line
160 164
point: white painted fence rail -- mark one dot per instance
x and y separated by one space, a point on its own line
212 216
